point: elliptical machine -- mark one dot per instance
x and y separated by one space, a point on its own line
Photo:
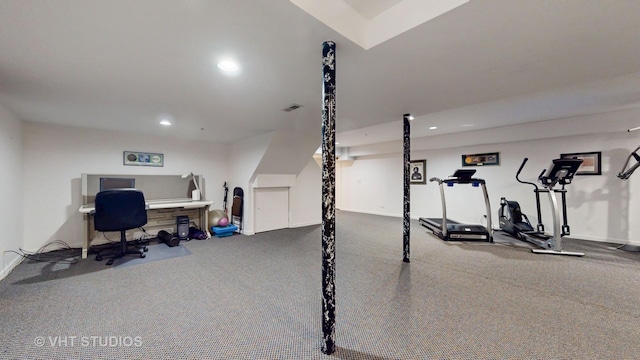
515 223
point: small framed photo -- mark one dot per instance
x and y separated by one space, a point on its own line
481 159
591 162
418 172
137 158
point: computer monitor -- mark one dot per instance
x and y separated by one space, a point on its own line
117 183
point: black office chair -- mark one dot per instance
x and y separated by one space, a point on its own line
120 210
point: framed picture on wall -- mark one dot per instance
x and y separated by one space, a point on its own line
591 162
418 172
137 158
481 159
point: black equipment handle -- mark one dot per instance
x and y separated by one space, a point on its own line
541 173
536 190
226 191
625 173
518 174
522 166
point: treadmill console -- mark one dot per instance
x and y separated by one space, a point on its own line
463 174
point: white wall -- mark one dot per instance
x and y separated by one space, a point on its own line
271 208
283 201
305 198
11 180
55 156
601 208
244 157
370 184
278 153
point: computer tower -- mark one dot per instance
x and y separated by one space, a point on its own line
182 226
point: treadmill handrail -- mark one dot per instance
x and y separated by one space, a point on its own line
443 223
487 204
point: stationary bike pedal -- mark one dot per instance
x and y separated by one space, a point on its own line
143 255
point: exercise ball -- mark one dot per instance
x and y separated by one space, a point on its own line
223 222
215 216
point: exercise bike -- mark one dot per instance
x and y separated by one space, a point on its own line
515 223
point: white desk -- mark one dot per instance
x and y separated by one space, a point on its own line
202 205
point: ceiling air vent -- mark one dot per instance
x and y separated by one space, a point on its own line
292 107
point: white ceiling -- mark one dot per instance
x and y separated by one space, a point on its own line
371 8
118 64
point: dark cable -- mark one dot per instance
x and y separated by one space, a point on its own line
58 256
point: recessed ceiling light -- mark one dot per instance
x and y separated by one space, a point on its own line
228 66
468 125
410 117
164 119
432 127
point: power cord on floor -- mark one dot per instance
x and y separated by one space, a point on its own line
145 237
65 254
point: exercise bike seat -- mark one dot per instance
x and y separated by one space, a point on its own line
516 213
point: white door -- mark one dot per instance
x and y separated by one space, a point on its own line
272 208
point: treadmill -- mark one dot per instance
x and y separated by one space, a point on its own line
450 230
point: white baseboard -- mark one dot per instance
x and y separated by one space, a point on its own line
597 239
291 226
379 213
12 265
303 224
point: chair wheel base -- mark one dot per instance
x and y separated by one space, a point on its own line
119 253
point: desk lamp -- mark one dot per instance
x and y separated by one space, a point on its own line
195 194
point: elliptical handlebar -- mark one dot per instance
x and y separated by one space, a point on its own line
521 166
541 174
625 173
518 174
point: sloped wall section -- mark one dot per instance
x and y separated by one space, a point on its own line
280 156
288 153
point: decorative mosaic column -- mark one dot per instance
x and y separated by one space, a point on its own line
328 197
407 187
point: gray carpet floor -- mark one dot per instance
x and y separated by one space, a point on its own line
258 297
